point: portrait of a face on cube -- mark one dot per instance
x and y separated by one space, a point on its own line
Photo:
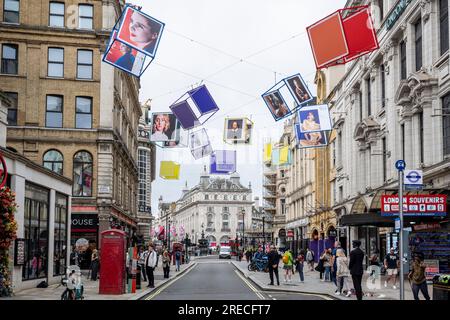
314 118
179 137
342 36
310 139
133 41
223 162
199 144
165 127
238 130
194 108
169 170
287 96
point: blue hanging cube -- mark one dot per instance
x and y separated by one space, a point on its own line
134 41
287 96
194 108
223 162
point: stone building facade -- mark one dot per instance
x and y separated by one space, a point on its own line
71 112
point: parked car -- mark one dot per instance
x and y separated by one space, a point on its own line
225 253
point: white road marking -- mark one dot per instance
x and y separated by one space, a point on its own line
260 296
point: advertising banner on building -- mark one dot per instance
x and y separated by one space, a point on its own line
415 205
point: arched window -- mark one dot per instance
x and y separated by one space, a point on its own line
53 160
82 174
225 222
210 221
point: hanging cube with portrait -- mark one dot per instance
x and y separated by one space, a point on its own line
194 108
342 36
134 41
169 170
238 130
314 118
166 131
199 144
287 96
223 162
315 139
285 156
267 152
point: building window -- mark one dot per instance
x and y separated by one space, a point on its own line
210 221
341 193
421 160
244 197
56 18
402 60
369 97
446 123
210 209
225 222
10 63
418 44
402 137
383 85
360 106
143 160
225 209
215 197
282 173
443 25
384 151
83 113
85 14
283 206
225 197
12 109
82 174
55 62
84 64
339 148
234 197
53 160
381 8
60 237
54 112
35 232
11 11
206 197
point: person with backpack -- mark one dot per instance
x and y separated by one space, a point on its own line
288 263
177 260
310 259
299 262
150 265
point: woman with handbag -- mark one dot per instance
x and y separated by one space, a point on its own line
320 268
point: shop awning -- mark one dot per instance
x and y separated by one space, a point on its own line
366 219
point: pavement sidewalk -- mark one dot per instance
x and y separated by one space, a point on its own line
313 285
53 292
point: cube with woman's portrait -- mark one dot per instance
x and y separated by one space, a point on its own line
134 41
287 96
237 130
194 108
164 127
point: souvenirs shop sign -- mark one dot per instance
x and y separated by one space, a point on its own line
415 205
396 13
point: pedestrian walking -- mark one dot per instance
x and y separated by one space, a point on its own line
288 265
320 268
94 264
326 256
310 259
150 265
142 256
248 256
299 263
337 246
356 267
273 261
373 262
177 260
166 263
391 263
342 272
418 279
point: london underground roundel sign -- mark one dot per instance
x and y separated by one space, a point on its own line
3 172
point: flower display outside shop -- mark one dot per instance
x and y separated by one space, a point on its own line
8 228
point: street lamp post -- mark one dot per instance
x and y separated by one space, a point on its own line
264 234
186 240
243 227
168 237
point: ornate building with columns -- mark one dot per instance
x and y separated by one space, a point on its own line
216 207
392 104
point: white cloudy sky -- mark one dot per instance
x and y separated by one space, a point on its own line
238 48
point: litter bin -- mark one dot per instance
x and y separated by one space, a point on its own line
441 287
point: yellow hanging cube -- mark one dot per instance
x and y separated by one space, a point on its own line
169 170
284 155
267 157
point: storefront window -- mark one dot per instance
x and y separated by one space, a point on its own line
60 239
82 174
35 232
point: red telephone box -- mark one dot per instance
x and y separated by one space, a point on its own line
112 258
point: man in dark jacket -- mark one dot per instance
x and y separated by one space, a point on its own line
273 261
356 267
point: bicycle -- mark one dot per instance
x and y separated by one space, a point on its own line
259 265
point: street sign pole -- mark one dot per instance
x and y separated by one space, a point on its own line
400 165
400 198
